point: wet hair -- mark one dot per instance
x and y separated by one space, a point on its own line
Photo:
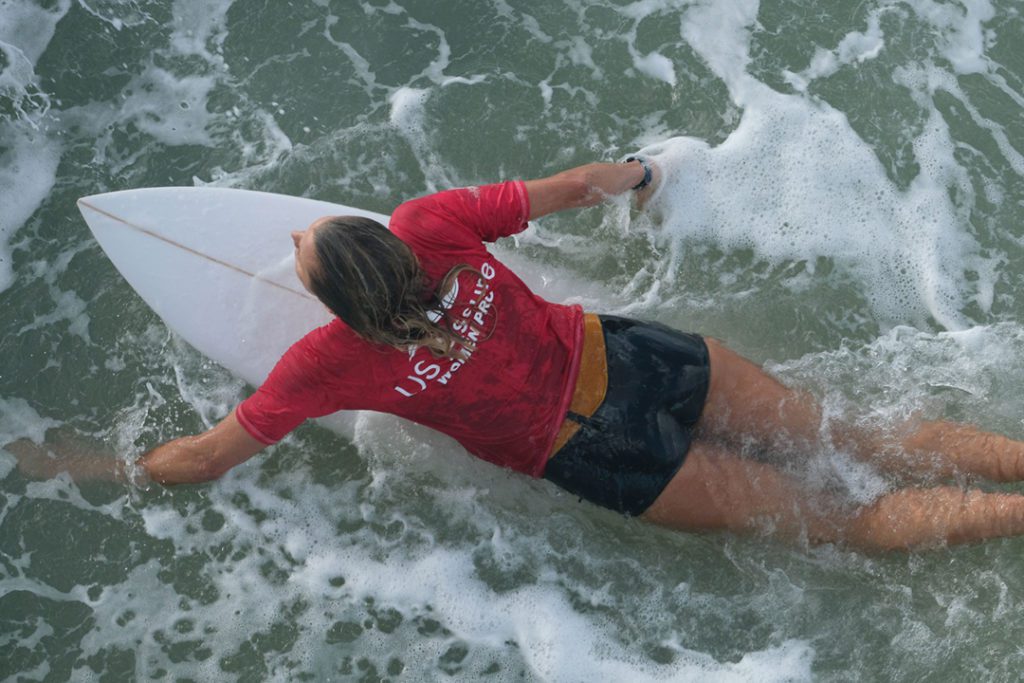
371 279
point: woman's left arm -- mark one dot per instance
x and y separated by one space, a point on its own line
589 185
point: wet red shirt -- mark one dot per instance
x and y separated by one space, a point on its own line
503 403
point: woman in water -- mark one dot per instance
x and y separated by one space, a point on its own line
633 416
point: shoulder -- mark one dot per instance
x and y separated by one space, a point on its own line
326 346
464 217
302 384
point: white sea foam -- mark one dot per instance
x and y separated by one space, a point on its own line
656 66
581 54
118 14
359 63
27 28
652 64
18 420
68 307
795 182
855 47
29 158
519 19
295 562
198 26
961 31
170 108
721 35
542 622
976 369
28 171
407 116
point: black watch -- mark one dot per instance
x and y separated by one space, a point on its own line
647 172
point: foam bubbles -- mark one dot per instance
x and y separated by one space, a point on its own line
407 116
656 66
18 420
27 28
28 171
197 25
721 36
961 31
906 373
386 598
407 108
28 157
855 47
794 183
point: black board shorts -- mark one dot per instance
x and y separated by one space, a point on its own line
624 455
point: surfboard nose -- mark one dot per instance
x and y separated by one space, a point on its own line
124 206
93 203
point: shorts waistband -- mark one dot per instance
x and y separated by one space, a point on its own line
591 381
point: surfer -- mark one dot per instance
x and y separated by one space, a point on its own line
630 415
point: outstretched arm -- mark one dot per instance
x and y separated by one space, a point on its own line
204 457
187 460
587 185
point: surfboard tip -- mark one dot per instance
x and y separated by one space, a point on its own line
84 203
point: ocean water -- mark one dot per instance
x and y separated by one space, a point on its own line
844 202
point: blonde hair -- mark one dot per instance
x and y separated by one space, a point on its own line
371 279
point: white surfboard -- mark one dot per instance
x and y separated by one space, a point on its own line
217 265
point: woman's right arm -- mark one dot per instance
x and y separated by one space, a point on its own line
588 185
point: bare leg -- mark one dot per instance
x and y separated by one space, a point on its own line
715 490
746 404
968 449
921 518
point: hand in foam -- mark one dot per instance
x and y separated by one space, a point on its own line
37 461
34 461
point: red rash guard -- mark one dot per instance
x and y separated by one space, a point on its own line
504 403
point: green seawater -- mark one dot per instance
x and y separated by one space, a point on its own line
845 204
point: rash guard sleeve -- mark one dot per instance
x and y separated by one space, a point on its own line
293 392
465 217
